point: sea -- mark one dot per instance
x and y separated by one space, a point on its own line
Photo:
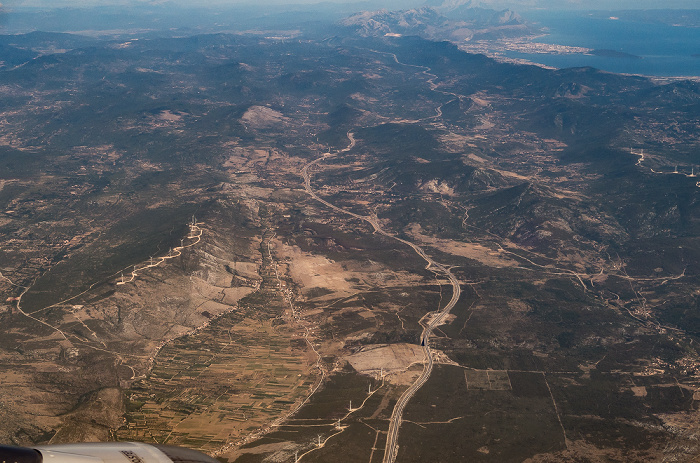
665 50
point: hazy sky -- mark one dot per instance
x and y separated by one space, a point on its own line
514 4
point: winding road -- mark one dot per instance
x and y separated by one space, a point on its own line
195 233
435 318
641 160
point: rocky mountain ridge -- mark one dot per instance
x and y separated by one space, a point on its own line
455 21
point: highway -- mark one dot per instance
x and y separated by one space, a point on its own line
435 318
392 446
432 320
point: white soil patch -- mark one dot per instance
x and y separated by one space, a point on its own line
480 101
311 271
389 358
170 116
433 186
259 117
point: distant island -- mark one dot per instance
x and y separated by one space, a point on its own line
613 54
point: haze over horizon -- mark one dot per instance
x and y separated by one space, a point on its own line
368 4
350 232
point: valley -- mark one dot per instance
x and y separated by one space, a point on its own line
348 249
